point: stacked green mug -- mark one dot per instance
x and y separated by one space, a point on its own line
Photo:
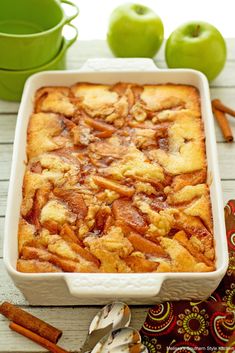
31 41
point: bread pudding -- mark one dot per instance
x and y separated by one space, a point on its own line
116 181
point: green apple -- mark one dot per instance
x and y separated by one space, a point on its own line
135 31
196 45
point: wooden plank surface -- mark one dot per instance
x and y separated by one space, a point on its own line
74 321
3 196
7 130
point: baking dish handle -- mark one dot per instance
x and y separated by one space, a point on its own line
119 64
94 285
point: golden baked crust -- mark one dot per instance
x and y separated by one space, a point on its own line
116 181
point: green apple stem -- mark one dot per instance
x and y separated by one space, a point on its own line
196 31
141 10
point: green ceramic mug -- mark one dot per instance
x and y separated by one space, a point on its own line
31 32
12 82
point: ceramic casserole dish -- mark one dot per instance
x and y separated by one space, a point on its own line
99 288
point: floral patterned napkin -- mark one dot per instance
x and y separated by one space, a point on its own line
197 326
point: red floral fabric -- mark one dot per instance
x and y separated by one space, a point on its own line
197 326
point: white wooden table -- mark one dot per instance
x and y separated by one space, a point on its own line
74 321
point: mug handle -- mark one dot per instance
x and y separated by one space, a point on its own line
70 18
69 42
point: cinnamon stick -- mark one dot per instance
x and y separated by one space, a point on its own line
30 322
223 123
52 347
217 104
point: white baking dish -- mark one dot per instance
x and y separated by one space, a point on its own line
76 288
